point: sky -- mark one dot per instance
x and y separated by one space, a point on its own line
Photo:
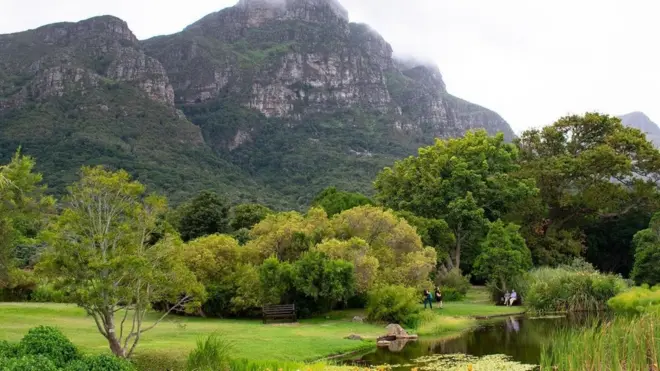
531 61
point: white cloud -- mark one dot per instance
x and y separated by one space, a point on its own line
530 61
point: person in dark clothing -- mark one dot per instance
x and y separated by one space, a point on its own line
438 296
428 299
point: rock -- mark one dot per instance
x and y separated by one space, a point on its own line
396 330
358 319
383 343
354 337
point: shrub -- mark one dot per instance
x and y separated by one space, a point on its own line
212 353
454 285
394 304
566 290
637 300
28 363
102 362
7 349
51 343
47 294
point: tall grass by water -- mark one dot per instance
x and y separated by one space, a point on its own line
624 343
566 289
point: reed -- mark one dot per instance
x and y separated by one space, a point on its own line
625 343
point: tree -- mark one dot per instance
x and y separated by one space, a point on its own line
589 169
204 215
248 215
647 254
334 201
504 256
402 258
101 251
24 209
357 252
462 181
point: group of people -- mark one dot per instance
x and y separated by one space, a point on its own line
428 298
510 298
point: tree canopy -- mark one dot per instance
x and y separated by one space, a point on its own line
589 169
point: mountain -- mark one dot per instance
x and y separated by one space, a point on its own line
268 100
639 120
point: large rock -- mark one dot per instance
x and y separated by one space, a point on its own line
396 330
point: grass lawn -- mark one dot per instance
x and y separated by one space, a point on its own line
168 344
174 338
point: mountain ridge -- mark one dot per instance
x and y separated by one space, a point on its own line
276 100
641 121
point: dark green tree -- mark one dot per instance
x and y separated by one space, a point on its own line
647 254
334 201
204 215
589 169
504 256
463 181
247 215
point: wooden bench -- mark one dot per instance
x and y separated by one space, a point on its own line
274 312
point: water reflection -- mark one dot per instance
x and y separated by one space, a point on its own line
518 337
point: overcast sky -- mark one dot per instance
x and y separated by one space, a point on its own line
531 61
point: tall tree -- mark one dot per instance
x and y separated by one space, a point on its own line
101 252
504 256
204 215
590 169
24 208
463 181
248 215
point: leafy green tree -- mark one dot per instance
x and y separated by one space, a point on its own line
24 208
101 252
246 216
402 258
204 215
462 181
589 169
504 256
647 254
334 201
356 251
433 232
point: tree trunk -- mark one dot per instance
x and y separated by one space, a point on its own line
115 344
458 252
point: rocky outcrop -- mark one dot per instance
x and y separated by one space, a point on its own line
293 58
68 57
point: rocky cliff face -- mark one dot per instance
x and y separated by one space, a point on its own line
291 58
67 57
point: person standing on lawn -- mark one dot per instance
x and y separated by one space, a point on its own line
428 299
438 296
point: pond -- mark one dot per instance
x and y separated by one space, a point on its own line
519 338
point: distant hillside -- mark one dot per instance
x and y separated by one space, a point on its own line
261 102
639 120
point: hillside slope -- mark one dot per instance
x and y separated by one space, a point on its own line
263 101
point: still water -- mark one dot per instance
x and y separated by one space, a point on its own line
520 338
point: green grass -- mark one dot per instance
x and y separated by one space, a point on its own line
622 344
176 337
168 345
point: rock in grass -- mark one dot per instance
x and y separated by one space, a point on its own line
354 337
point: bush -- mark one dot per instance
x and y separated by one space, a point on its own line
394 304
637 300
454 285
7 349
102 362
571 290
27 363
212 353
47 294
51 343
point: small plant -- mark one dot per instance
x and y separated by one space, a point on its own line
454 285
28 363
211 354
8 350
50 343
100 363
395 304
